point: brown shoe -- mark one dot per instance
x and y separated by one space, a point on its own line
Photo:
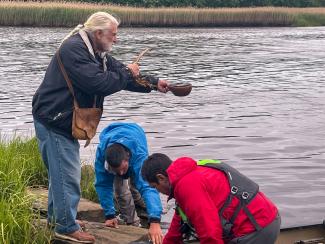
82 224
77 236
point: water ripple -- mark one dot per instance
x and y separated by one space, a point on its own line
257 101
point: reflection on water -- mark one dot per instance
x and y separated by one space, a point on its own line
257 101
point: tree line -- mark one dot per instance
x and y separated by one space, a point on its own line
214 3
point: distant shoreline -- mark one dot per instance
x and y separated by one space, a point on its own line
56 14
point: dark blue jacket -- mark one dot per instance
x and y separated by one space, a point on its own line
53 102
133 138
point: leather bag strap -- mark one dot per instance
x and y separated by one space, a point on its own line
69 82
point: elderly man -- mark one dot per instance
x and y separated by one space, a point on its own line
94 74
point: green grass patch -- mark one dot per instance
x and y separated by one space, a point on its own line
308 20
20 166
88 190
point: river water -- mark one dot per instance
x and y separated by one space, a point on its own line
258 101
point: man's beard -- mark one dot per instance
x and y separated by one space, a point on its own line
108 47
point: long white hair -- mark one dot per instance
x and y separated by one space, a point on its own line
97 21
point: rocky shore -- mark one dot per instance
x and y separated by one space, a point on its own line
92 215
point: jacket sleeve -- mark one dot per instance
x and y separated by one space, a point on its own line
87 73
174 235
115 65
200 209
149 194
104 185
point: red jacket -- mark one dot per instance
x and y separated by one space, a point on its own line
200 193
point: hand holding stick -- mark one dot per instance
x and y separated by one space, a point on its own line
178 89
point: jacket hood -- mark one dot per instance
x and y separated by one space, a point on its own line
129 135
179 168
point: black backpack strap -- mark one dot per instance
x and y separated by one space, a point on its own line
252 218
241 187
236 212
227 203
228 224
186 227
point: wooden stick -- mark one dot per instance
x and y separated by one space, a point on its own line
141 55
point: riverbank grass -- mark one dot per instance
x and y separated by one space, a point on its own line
87 186
20 167
59 14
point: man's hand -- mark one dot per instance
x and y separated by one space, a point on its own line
112 223
162 86
134 68
155 233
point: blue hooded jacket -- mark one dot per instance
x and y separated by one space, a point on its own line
132 137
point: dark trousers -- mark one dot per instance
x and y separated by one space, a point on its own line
129 200
267 235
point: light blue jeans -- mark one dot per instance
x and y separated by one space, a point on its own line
62 160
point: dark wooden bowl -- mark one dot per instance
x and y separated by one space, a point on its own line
180 89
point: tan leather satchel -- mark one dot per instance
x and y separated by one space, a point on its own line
84 120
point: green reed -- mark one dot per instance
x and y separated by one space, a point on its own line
88 190
54 14
20 166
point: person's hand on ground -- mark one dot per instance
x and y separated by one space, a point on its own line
112 223
155 233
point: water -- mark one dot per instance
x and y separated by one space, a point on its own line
257 103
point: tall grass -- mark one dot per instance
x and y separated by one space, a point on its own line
87 186
56 14
20 166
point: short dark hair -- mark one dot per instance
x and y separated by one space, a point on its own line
156 163
115 154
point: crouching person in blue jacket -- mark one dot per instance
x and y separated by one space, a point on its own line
121 152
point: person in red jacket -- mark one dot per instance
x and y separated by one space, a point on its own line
215 203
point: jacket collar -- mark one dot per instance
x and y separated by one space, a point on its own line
88 43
